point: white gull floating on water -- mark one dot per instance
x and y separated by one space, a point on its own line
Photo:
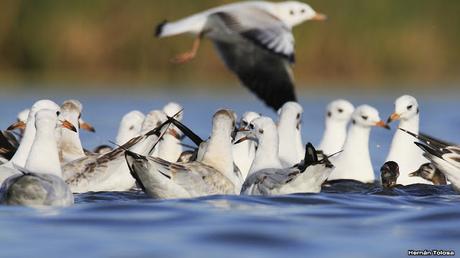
213 174
40 182
403 151
338 114
291 149
268 177
244 152
109 171
20 157
248 36
354 162
69 144
443 156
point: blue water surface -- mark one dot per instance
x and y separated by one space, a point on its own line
346 221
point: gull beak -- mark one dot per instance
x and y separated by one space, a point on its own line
319 17
242 129
383 125
246 138
242 139
86 126
415 173
17 125
393 117
68 125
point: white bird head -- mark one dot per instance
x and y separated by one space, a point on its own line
152 120
43 104
247 118
173 108
339 110
290 114
22 116
263 126
367 116
48 118
130 126
224 119
406 107
294 13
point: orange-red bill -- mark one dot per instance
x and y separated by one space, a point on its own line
383 125
68 125
17 125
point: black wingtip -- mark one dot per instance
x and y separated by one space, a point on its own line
188 132
428 149
409 132
133 172
310 154
159 28
311 157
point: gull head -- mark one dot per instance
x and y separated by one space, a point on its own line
339 110
21 121
260 128
72 105
426 171
247 118
130 126
389 174
22 116
44 104
294 13
71 110
290 114
173 108
152 120
263 126
47 119
406 107
225 120
367 116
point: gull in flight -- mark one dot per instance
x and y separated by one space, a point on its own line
255 41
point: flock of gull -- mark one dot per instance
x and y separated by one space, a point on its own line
44 161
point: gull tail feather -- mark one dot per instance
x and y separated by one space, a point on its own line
193 24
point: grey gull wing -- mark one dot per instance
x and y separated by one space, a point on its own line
261 59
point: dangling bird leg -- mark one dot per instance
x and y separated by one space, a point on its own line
189 55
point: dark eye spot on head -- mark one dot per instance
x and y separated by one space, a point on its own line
58 113
340 110
291 12
364 117
131 127
261 131
410 107
251 126
329 114
244 123
302 11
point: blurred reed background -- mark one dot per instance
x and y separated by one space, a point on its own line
110 42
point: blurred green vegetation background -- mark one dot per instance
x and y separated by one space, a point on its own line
364 42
